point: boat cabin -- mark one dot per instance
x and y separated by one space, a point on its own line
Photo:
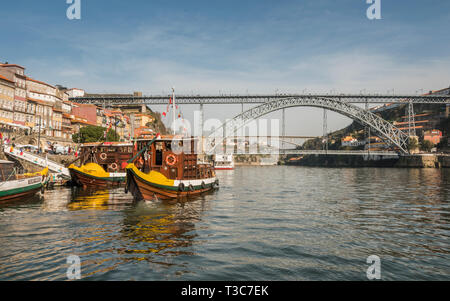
111 156
174 157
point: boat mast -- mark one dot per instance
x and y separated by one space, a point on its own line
173 110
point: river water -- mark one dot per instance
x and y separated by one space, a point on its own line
264 223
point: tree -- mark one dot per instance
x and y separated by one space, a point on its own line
94 134
413 144
426 146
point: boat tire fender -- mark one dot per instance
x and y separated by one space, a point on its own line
181 187
203 185
191 188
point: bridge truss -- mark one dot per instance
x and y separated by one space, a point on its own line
131 100
389 132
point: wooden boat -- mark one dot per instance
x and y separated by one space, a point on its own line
15 187
102 165
167 168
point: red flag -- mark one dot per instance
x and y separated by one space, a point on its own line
164 114
179 115
107 130
170 100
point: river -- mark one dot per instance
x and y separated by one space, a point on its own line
264 223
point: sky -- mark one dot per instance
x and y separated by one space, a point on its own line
233 47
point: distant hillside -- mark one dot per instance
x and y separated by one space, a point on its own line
396 114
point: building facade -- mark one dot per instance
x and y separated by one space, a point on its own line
7 90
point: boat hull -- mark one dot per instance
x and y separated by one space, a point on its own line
88 180
144 188
20 189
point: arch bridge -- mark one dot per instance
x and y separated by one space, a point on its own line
383 128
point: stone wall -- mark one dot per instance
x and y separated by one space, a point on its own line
412 161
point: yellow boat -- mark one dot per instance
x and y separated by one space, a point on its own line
102 165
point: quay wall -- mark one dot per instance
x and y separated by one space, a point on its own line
410 161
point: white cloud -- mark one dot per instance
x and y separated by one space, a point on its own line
154 59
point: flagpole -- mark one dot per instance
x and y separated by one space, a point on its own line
173 109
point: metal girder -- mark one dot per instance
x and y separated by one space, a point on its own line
385 129
256 99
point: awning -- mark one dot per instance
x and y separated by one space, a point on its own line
15 125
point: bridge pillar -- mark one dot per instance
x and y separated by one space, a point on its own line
283 127
325 130
201 129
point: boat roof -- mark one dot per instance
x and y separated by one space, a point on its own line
113 144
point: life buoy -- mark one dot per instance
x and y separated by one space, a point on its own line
181 187
171 160
113 166
103 156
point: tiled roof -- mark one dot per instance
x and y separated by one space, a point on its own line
4 78
39 82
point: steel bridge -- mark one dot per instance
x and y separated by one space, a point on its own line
256 99
264 104
386 130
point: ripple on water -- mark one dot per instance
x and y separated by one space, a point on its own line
272 223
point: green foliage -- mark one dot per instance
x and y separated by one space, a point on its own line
413 144
426 146
94 134
313 144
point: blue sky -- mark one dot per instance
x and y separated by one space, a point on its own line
212 47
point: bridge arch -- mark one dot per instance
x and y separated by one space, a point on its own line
385 129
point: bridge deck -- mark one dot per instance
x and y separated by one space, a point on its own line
257 99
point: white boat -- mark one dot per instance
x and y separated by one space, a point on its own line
20 186
223 162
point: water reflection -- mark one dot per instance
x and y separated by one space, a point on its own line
264 223
155 232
